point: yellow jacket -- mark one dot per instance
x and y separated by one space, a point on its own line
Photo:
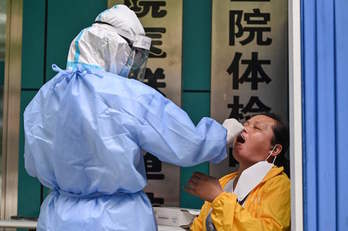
266 208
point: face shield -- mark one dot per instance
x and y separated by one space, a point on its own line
136 63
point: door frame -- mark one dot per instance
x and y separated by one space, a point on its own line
11 108
295 114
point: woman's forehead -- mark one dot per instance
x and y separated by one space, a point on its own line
262 119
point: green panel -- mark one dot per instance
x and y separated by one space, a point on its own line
33 43
196 45
197 105
46 191
195 77
28 187
66 19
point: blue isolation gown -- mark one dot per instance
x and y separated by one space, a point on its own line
84 132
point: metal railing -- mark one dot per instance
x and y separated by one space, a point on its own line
31 225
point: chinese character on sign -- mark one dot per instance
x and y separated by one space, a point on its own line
155 201
153 167
236 107
152 78
254 72
142 8
241 112
255 106
256 23
155 33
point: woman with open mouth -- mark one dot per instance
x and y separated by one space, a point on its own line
257 195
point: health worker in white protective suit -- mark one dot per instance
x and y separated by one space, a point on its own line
86 127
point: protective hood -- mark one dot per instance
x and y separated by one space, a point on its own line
104 45
126 24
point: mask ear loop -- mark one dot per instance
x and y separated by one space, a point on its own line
271 154
274 159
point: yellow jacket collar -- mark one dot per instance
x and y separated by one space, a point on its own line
272 173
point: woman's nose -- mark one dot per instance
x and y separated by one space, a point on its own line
246 125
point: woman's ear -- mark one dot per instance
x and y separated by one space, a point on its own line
277 149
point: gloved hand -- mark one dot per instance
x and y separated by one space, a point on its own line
233 129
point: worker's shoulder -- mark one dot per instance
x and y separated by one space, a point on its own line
143 90
120 85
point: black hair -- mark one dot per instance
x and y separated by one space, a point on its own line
280 136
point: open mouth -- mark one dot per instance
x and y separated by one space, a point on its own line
241 139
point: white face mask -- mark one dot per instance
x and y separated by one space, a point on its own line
252 176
